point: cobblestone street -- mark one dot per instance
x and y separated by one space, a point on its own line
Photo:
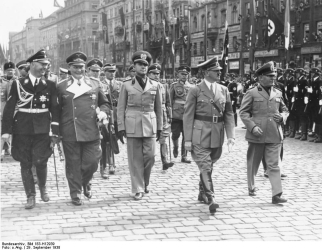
171 210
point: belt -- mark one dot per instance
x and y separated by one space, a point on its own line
214 119
34 111
178 101
140 108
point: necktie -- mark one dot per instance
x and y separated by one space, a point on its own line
36 82
212 89
78 82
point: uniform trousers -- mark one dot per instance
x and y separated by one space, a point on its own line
141 158
82 159
205 157
271 153
176 129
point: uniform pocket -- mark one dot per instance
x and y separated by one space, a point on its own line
196 133
178 110
130 124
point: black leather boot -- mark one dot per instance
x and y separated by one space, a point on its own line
164 157
184 158
87 190
304 132
175 148
42 178
319 134
276 199
29 186
209 191
235 117
202 196
292 129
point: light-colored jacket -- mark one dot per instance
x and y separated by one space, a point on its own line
205 133
139 111
258 109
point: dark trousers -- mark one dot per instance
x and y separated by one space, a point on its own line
32 150
177 129
82 159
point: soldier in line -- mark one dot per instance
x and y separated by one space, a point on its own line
23 68
232 87
35 97
262 111
139 117
81 102
316 104
63 74
178 94
289 84
154 74
113 89
207 113
50 75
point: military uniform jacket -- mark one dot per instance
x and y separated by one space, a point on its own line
139 111
114 86
232 87
299 92
166 102
258 109
52 77
78 109
314 96
290 83
26 96
178 96
204 133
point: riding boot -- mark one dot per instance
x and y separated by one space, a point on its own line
287 131
235 117
202 196
319 133
175 148
209 190
29 186
42 178
184 158
304 131
292 129
314 136
164 157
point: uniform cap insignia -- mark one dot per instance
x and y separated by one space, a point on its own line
42 98
78 54
143 56
235 88
78 60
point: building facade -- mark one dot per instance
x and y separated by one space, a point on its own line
17 46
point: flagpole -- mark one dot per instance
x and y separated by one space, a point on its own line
206 33
172 45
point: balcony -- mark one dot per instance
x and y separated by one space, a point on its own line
156 44
119 31
213 33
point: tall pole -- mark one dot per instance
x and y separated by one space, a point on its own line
189 38
124 46
174 54
134 28
206 34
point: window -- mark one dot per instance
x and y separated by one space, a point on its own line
234 15
94 6
202 22
221 44
111 13
201 48
223 17
209 19
319 27
235 42
195 49
195 24
247 8
174 12
306 33
180 10
94 19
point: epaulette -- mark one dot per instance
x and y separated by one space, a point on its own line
93 78
251 88
129 79
276 87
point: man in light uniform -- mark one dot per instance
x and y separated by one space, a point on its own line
207 114
139 116
263 111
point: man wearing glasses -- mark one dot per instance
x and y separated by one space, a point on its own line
81 102
207 115
38 110
263 111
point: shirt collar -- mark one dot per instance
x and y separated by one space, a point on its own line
209 83
315 78
80 80
33 79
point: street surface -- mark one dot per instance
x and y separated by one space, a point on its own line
171 210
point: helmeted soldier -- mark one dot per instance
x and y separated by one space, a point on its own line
139 117
82 101
154 74
178 95
232 87
36 98
207 116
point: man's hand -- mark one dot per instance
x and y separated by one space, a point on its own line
169 120
257 131
120 135
158 134
230 143
188 145
278 117
54 140
6 137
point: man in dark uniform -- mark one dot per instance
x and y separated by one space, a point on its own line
36 99
178 94
81 102
232 87
23 68
113 90
315 101
289 84
154 74
262 111
50 75
139 117
207 115
63 74
299 103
